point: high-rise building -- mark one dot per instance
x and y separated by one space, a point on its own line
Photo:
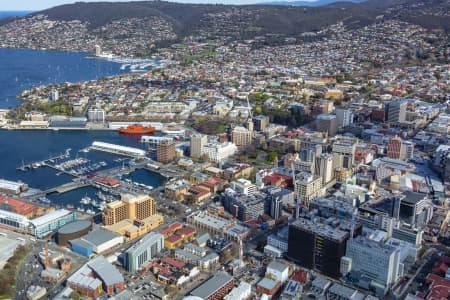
166 152
344 117
396 148
373 261
260 122
129 207
324 168
241 136
54 95
243 186
344 154
327 123
143 251
307 187
198 141
396 111
317 246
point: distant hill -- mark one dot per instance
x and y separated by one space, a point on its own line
310 3
135 27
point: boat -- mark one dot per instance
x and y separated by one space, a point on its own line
85 200
44 199
136 129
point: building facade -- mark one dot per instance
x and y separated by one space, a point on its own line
143 251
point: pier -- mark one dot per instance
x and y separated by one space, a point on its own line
45 162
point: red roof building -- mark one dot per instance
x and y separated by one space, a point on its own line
17 206
439 287
108 181
173 262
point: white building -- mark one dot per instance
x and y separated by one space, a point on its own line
344 117
240 292
96 115
243 186
277 270
376 262
307 187
218 152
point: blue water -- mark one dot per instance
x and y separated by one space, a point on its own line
21 69
4 14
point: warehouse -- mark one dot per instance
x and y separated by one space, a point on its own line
98 241
214 288
13 221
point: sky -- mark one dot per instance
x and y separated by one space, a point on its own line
33 5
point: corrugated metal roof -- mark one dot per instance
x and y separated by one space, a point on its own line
107 272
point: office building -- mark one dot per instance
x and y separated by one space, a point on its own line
143 251
307 187
219 152
395 149
260 122
344 117
50 222
324 168
344 154
241 136
243 186
326 123
315 245
373 262
396 111
416 209
129 207
280 239
166 152
198 141
54 95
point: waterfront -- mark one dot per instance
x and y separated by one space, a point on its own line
21 69
27 146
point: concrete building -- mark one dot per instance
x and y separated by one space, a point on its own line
129 207
307 187
241 136
326 123
260 122
344 117
198 141
166 152
277 271
324 168
14 221
143 251
344 154
375 262
315 245
218 152
396 111
243 186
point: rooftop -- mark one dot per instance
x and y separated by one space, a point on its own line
107 272
50 217
212 285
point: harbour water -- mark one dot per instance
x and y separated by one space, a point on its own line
22 69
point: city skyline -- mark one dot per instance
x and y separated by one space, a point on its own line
25 5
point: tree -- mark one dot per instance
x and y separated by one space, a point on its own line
273 156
